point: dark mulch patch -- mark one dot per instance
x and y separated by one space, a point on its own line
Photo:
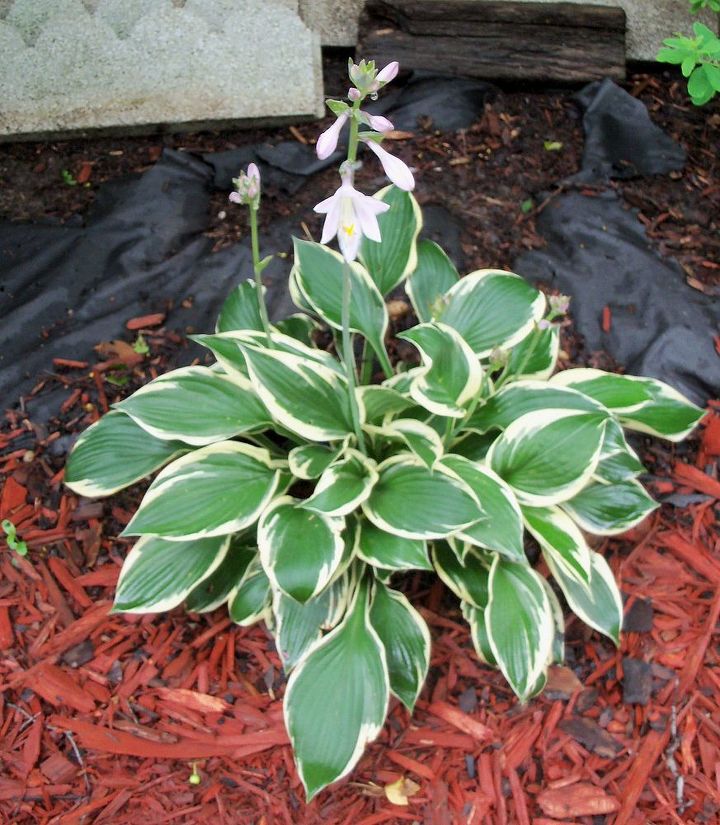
102 716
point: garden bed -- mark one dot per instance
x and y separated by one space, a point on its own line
102 717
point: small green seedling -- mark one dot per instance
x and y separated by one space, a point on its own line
140 346
20 547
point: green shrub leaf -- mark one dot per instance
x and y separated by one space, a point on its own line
536 355
434 275
492 309
240 310
344 485
467 577
406 639
158 575
560 538
609 509
300 550
249 600
196 405
215 589
309 461
114 453
388 551
214 491
336 699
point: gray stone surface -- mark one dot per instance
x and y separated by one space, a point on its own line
68 65
649 21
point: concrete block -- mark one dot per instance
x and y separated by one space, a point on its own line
68 66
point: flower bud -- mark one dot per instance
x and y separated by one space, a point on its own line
354 94
559 304
247 186
388 73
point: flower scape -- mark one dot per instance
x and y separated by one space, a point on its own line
297 491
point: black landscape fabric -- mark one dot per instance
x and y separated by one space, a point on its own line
140 249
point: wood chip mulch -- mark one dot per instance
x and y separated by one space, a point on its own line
104 718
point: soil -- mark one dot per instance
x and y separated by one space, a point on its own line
104 718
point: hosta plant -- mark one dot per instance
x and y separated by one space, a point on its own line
297 491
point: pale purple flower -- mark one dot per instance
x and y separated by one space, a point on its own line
354 94
253 174
247 186
398 171
349 214
388 73
328 140
378 123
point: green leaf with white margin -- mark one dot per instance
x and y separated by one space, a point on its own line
476 618
114 453
395 257
502 530
610 509
336 699
418 437
558 648
548 456
213 491
249 600
434 275
344 485
227 347
536 355
520 625
158 575
600 605
303 396
643 404
451 375
523 397
415 502
388 551
560 538
466 577
490 309
300 550
196 405
380 402
318 274
298 326
240 310
309 461
215 589
618 461
406 639
298 626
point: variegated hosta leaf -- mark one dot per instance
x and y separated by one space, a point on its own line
389 551
524 397
618 461
490 309
309 461
451 374
240 309
415 502
158 575
298 626
298 326
395 257
476 618
520 625
558 648
196 405
548 456
303 396
609 509
381 402
344 485
227 347
213 491
114 453
502 530
300 550
466 577
434 275
249 600
536 355
474 446
560 538
599 605
406 639
643 404
318 275
337 698
418 437
215 589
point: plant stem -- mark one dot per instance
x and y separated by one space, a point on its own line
258 280
348 356
366 364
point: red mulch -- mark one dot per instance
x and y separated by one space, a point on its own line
102 717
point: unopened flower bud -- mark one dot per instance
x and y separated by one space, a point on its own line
498 357
388 73
247 186
559 304
354 94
